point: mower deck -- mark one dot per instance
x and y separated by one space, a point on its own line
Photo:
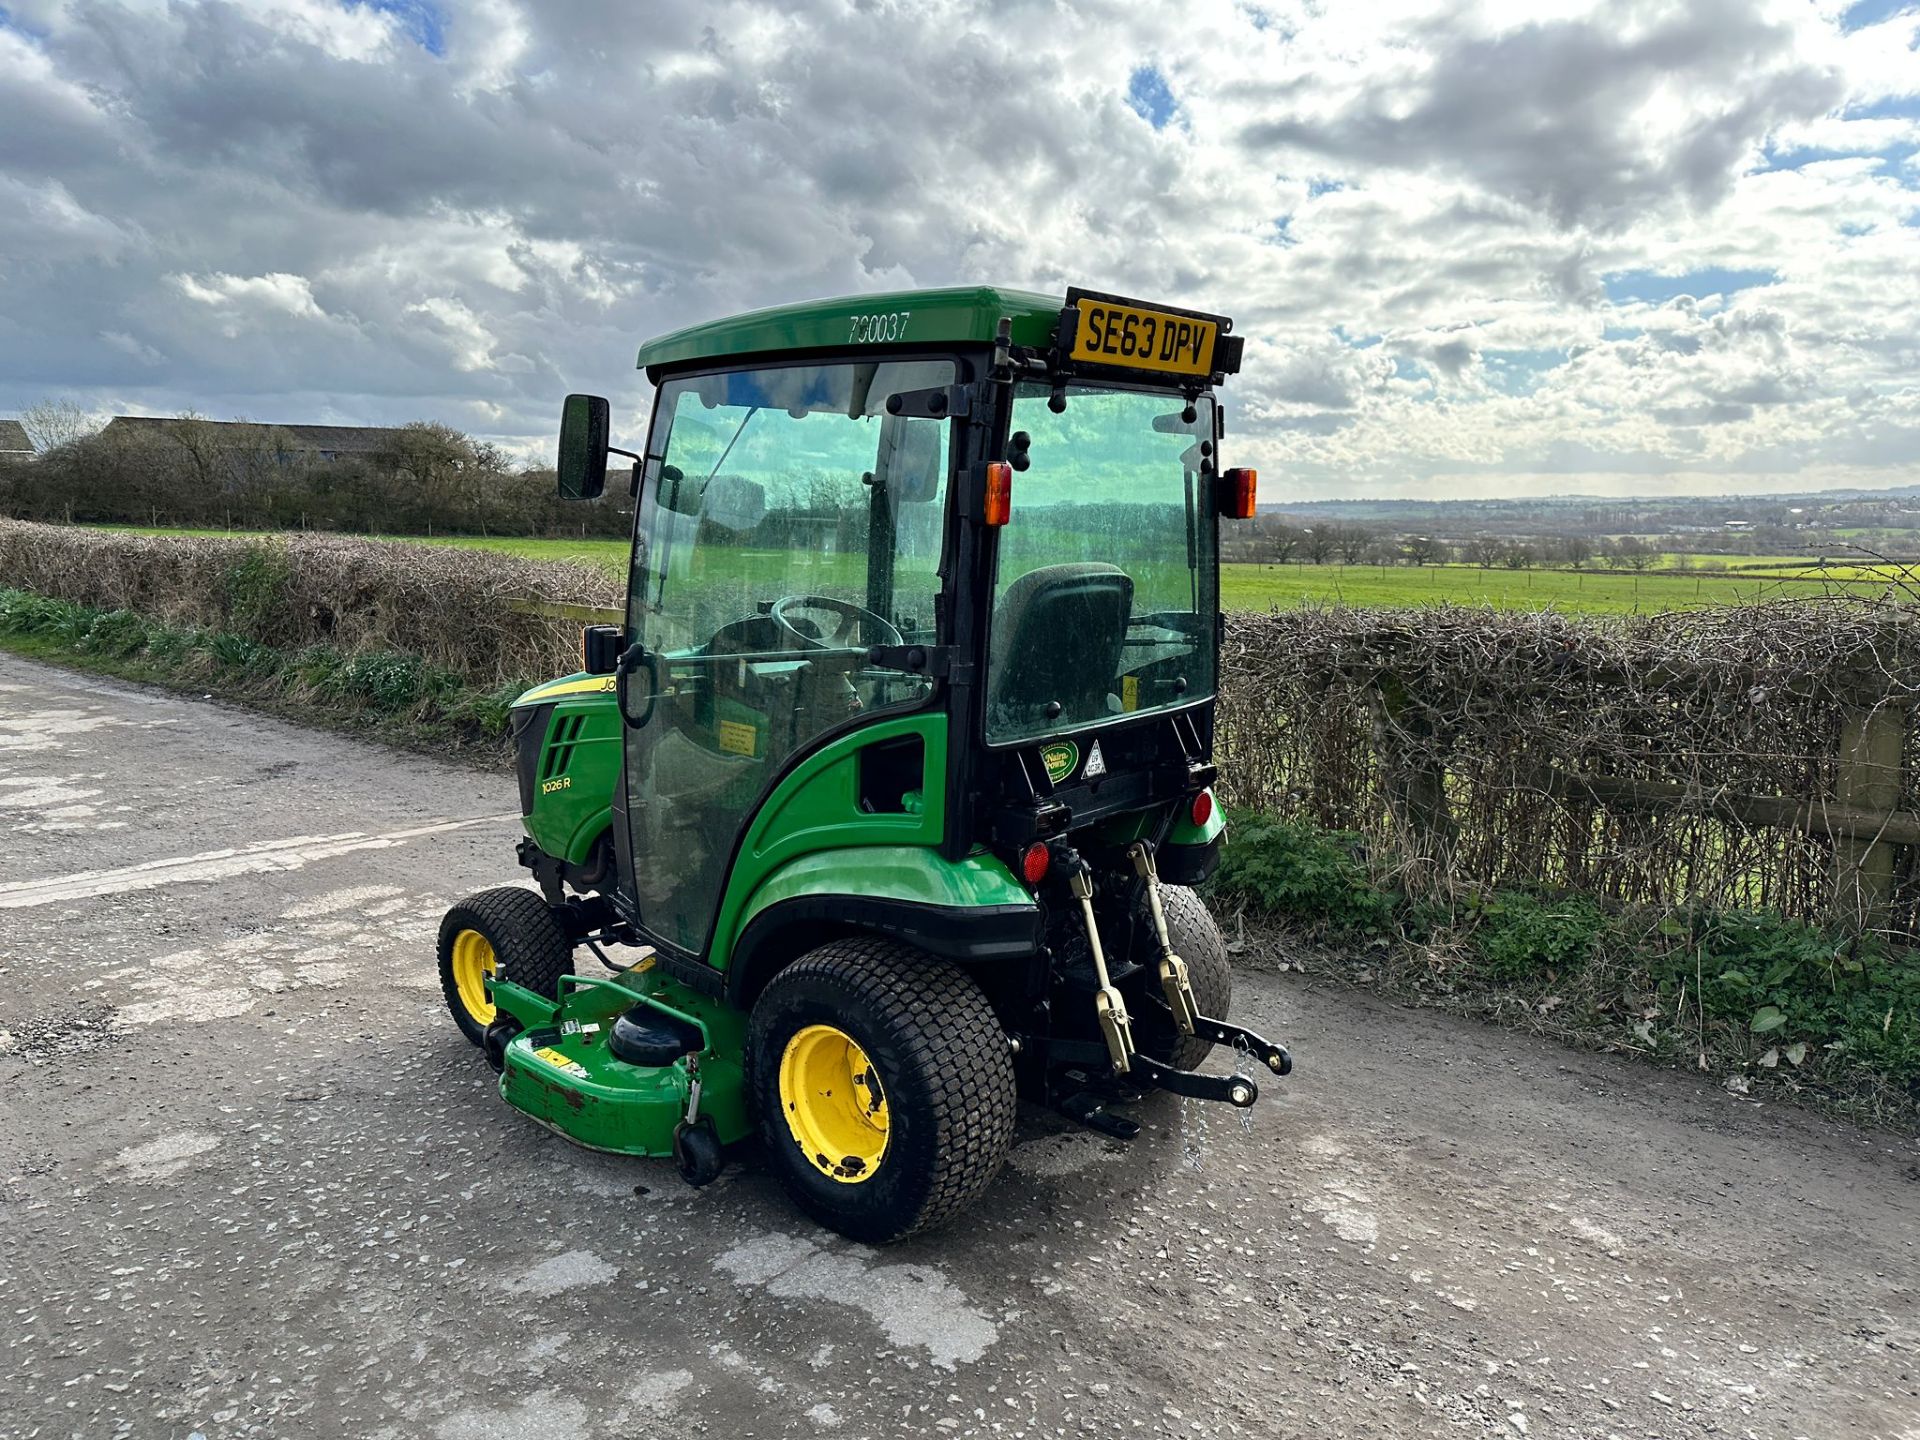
560 1067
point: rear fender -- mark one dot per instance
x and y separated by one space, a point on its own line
970 911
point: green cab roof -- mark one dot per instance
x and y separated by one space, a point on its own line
960 314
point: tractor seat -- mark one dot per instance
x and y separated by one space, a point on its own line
1057 637
646 1036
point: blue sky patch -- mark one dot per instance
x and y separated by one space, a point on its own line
1894 107
1150 98
420 18
1871 12
1518 372
1643 285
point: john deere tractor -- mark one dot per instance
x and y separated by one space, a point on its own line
883 807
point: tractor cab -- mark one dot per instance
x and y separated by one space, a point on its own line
896 773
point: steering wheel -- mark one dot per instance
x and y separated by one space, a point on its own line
850 616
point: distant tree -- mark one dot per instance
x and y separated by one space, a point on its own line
1426 550
1482 550
198 441
1317 544
1630 552
1352 543
53 423
431 454
1281 542
1518 555
1382 551
1576 551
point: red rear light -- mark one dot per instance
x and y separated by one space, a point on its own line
1202 810
1237 497
997 508
1034 861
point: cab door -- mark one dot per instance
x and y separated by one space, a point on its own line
788 525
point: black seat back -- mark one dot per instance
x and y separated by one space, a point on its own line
1057 636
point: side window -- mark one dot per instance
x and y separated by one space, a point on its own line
793 525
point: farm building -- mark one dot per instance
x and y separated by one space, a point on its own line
375 444
14 444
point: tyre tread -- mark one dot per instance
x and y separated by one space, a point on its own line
529 945
949 1032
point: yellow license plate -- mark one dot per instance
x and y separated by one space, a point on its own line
1136 338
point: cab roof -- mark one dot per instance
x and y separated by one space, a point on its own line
961 314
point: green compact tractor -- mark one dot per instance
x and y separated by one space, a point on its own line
896 778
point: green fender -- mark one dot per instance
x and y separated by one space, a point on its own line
969 910
909 873
1185 832
1139 825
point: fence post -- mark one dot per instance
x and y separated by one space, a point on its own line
1872 745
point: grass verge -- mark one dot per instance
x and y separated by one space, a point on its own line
396 698
1765 1004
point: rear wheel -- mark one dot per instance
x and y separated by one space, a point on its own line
1196 940
502 933
885 1087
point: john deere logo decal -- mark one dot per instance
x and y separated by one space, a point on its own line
1060 760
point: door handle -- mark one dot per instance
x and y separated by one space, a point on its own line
636 657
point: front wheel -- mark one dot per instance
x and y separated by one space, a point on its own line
501 933
885 1087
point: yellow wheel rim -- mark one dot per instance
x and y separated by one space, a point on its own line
473 967
834 1104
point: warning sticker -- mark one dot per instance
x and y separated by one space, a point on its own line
738 739
559 1061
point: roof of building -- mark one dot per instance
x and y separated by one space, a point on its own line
957 315
353 439
13 438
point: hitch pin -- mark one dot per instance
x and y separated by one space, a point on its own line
1108 1005
1174 980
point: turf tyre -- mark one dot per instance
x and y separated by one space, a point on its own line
943 1060
529 945
1198 941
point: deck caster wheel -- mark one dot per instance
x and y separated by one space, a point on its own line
499 1035
696 1153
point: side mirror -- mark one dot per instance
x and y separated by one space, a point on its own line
582 465
638 670
600 647
675 493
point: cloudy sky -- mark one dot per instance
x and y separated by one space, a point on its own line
1527 248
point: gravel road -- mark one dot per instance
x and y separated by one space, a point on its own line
253 1183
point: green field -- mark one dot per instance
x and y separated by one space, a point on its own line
1595 592
1263 587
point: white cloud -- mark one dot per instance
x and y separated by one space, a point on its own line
296 209
287 294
